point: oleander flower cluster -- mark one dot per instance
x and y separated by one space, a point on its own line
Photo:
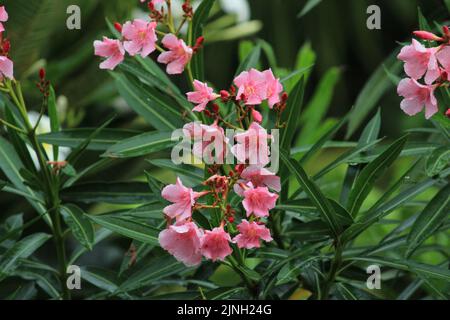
428 68
249 179
241 226
6 65
140 37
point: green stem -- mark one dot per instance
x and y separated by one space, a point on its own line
51 187
251 287
335 266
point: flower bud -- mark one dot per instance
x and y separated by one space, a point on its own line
257 116
447 113
42 73
6 45
118 27
215 107
224 95
425 35
239 168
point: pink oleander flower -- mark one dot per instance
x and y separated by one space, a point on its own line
250 235
253 145
182 240
6 68
112 50
140 37
416 97
274 88
258 201
183 199
3 17
420 61
252 85
202 95
177 57
210 142
215 244
259 177
443 57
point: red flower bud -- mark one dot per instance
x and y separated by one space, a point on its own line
207 113
224 95
230 219
6 45
231 174
118 27
447 113
198 43
42 73
239 168
446 32
425 35
215 107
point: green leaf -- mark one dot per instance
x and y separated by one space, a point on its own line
22 249
308 7
371 131
74 137
437 161
81 227
292 114
366 179
158 268
318 105
198 21
109 192
372 92
324 206
250 61
128 227
193 173
78 151
140 145
223 293
54 119
153 108
324 139
431 218
379 212
345 157
414 267
101 278
11 165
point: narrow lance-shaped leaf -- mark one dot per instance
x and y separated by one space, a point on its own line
72 138
366 179
198 21
292 114
431 218
54 119
324 206
438 160
250 61
109 192
128 227
140 145
80 225
22 249
374 89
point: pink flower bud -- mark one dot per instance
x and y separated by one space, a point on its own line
425 35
